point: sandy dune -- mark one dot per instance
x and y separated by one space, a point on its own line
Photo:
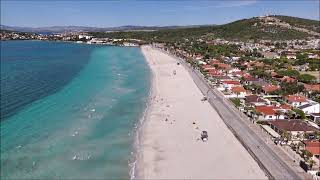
171 148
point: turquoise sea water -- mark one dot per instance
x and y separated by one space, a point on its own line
80 122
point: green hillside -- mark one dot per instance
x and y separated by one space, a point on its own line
309 24
245 29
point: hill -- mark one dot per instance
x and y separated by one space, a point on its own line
309 24
267 27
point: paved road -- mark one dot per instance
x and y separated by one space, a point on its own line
275 163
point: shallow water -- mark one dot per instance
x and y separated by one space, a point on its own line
83 127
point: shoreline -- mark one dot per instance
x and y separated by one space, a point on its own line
134 166
138 137
169 145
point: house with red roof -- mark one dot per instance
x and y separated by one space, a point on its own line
313 147
228 84
267 89
248 80
286 107
220 65
239 91
214 61
295 127
312 87
254 100
288 79
296 100
224 66
238 74
214 73
269 113
207 67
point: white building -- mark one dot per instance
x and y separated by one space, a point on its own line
84 36
311 107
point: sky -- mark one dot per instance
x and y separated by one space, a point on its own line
106 13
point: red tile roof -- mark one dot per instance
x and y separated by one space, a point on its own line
313 147
249 78
241 73
266 110
259 64
288 79
254 99
214 62
294 98
231 82
270 88
214 72
312 87
238 89
285 106
224 66
246 75
207 67
292 125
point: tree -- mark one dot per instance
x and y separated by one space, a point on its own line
290 114
290 88
300 113
236 102
306 78
302 56
291 73
311 163
286 136
306 154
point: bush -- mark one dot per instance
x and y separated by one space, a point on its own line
306 78
236 102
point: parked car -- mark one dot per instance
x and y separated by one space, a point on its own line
204 136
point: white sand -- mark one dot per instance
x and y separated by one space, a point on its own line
171 149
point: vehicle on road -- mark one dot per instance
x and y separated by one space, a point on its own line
204 136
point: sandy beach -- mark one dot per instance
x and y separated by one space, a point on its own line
171 147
